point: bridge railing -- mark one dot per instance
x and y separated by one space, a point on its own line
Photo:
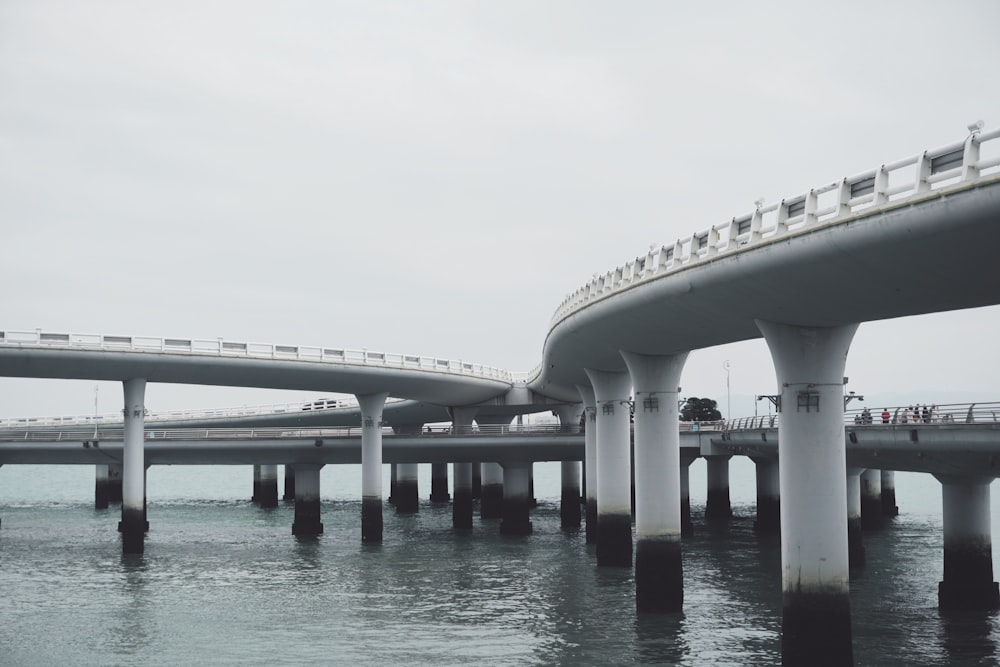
190 415
975 157
914 415
226 348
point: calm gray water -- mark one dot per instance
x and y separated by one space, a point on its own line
223 582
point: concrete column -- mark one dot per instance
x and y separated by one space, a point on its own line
133 523
589 461
614 479
889 507
816 616
768 495
307 511
267 492
461 507
439 483
569 500
855 541
968 546
256 484
477 480
687 528
659 575
101 487
717 503
289 483
461 502
114 483
491 503
871 500
371 465
407 495
393 475
516 500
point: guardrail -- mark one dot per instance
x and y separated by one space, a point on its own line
886 185
187 415
90 436
225 348
913 415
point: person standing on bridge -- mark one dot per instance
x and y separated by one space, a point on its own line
885 415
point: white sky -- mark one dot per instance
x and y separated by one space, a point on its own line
434 177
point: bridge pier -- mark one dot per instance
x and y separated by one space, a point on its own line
589 461
477 480
768 495
717 506
114 483
256 484
889 507
307 511
267 490
968 547
855 540
872 517
439 483
687 528
461 506
101 487
289 483
816 615
393 474
461 502
371 465
659 575
491 502
406 494
516 499
133 524
614 478
569 500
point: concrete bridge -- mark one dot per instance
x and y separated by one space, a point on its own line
803 274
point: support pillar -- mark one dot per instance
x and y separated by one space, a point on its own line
768 495
871 500
133 522
659 575
289 483
267 492
439 483
717 505
889 507
589 461
569 500
477 480
393 474
101 487
687 528
114 483
491 503
307 510
406 495
614 501
371 465
816 615
968 547
515 519
855 541
254 497
461 505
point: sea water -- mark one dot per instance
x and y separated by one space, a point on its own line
223 582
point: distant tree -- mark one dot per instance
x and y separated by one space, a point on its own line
700 410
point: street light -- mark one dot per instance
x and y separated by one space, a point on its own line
725 364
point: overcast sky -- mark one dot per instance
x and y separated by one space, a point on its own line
434 177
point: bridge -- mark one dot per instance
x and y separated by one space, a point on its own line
802 273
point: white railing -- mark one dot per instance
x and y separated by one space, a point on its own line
903 415
889 184
225 348
308 406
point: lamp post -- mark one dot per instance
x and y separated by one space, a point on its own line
725 364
